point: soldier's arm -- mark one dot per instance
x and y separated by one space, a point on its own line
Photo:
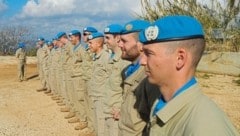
17 54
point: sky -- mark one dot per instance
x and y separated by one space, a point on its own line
48 17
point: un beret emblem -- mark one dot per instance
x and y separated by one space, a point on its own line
129 27
151 33
106 30
90 37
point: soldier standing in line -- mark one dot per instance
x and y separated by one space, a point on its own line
21 56
182 109
137 101
41 57
49 70
52 68
80 58
65 72
56 59
98 82
113 97
87 68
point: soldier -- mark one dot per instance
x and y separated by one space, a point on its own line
53 61
21 56
113 97
64 73
49 62
182 109
42 57
56 61
98 81
135 110
80 58
87 68
88 31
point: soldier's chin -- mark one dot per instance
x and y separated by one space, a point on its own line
123 56
151 80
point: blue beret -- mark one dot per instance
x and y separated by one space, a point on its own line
170 28
48 42
134 26
75 32
21 45
60 34
113 29
90 29
40 39
95 35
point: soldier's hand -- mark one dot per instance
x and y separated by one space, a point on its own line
116 113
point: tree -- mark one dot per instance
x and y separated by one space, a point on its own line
10 36
212 14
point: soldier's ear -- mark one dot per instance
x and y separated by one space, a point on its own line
118 38
181 58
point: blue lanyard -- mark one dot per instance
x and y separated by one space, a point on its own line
75 47
161 102
131 69
112 55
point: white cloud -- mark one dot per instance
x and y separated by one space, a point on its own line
48 17
45 8
3 6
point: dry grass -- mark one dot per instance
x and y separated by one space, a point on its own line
222 90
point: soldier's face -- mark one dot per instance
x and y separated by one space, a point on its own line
59 43
85 36
40 43
111 41
54 42
73 39
93 45
130 48
159 65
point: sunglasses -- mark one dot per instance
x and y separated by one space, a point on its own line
86 34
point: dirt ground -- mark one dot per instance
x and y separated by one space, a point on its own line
25 112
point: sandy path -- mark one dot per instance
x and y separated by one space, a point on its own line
25 112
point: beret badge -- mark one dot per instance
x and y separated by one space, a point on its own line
151 33
107 30
129 27
90 37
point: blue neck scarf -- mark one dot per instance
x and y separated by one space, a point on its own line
132 68
112 55
161 102
76 46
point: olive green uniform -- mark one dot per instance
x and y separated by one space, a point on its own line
138 99
113 97
97 88
191 114
66 73
80 61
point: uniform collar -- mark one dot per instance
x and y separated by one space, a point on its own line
97 56
176 104
137 76
76 46
116 57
